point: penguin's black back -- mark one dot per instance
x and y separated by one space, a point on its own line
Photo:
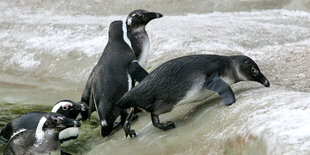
112 68
170 82
27 121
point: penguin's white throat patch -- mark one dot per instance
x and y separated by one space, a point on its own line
125 37
240 75
39 130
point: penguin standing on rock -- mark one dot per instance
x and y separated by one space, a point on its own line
44 139
111 78
136 37
188 79
30 120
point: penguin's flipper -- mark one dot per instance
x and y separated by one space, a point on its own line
136 71
3 139
219 86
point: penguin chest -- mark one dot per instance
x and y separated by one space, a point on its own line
129 81
145 47
69 133
196 93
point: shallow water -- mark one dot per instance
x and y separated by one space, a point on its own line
47 52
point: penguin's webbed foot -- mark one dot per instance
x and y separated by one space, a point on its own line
117 124
128 131
166 126
62 152
127 124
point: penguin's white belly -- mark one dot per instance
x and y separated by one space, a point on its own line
129 81
197 93
144 53
69 133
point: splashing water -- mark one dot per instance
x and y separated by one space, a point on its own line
47 54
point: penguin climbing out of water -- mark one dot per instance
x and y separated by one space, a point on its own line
136 38
188 79
111 78
44 139
30 120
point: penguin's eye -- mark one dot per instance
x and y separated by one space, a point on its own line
254 71
64 107
140 15
55 120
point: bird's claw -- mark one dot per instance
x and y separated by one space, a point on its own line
128 131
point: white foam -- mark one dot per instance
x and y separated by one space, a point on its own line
279 117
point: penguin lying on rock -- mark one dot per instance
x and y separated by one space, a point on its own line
30 120
188 79
118 68
44 139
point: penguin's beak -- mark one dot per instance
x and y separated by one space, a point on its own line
84 111
68 122
151 15
83 106
77 107
263 80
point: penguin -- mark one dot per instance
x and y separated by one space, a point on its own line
30 120
189 79
137 35
111 78
136 38
44 139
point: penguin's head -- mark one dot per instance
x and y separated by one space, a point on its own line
57 122
68 108
116 30
247 70
138 18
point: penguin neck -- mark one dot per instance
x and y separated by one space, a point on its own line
228 72
235 70
50 142
41 134
49 137
140 43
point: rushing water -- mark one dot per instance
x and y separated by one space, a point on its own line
48 48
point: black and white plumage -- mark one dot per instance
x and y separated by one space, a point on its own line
113 76
137 35
44 139
188 79
29 121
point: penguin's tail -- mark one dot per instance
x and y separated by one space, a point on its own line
2 138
